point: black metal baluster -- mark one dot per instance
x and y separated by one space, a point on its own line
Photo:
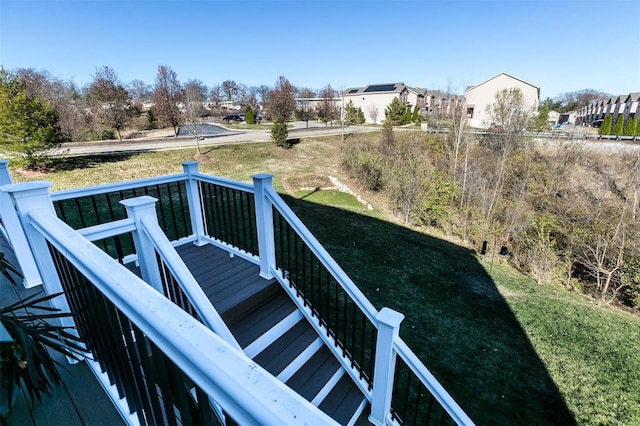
154 414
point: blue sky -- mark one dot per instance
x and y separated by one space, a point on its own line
560 46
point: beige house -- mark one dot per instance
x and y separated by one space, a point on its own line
373 99
480 97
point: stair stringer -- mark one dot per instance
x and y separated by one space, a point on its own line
328 340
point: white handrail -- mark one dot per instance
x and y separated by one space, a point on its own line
431 383
110 187
248 393
186 281
332 266
233 184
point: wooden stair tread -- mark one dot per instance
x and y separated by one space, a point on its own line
313 375
261 319
277 356
343 400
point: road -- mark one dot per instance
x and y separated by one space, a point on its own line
216 135
220 135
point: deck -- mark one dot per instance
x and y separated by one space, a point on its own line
79 401
264 321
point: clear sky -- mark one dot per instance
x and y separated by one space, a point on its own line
559 46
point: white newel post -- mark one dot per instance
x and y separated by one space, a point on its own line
15 234
35 196
190 168
264 219
136 209
385 364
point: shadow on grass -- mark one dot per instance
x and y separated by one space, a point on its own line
89 161
456 320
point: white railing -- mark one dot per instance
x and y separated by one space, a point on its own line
13 233
266 199
247 393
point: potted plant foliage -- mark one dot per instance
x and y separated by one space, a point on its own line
29 334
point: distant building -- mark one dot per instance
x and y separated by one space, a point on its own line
374 99
554 117
615 105
479 98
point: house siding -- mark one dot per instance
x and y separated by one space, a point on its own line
480 97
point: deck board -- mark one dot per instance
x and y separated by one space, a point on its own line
80 400
313 375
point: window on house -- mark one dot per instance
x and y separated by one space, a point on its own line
469 112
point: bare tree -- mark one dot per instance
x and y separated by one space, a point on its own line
634 185
456 138
327 110
64 97
110 100
304 112
139 90
406 171
305 92
263 93
229 88
604 252
167 95
216 95
195 93
373 112
510 116
282 102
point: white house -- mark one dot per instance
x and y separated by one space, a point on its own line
480 97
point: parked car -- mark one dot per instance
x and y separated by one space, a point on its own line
597 123
232 117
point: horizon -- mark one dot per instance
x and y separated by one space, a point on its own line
433 45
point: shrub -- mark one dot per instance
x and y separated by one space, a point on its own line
248 116
618 126
631 126
279 133
605 128
363 163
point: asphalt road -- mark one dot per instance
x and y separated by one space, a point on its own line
212 135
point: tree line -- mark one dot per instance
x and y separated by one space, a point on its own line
563 215
38 111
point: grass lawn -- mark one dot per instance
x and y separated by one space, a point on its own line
508 350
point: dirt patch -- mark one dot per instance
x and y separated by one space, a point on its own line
29 175
297 182
203 159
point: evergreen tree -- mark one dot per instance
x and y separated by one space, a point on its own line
395 112
279 132
540 122
28 126
351 113
360 116
406 119
618 126
605 128
631 126
416 115
248 116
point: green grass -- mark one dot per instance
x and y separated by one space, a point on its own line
508 350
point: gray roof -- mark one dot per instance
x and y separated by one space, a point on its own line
375 88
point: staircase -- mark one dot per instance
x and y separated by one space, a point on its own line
274 333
